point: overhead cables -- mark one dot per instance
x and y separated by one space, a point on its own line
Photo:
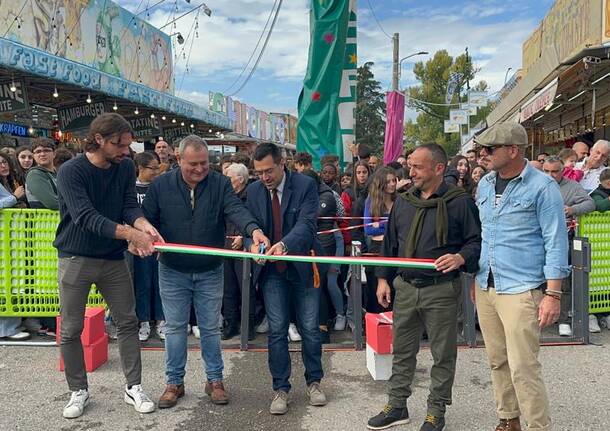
376 20
260 55
260 38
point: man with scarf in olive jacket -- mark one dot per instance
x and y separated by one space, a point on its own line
432 220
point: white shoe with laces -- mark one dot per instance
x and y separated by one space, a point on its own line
138 399
76 406
144 332
293 333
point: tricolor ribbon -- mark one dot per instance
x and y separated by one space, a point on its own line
369 261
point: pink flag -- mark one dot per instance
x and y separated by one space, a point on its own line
394 125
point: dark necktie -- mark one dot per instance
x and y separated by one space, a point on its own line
277 227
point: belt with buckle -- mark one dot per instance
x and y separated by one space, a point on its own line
429 281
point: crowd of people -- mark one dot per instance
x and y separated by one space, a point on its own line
28 180
467 213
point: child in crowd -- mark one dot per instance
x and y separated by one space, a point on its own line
569 158
145 269
601 195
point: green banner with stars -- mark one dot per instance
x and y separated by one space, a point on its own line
327 101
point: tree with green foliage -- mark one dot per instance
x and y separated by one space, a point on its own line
370 110
428 98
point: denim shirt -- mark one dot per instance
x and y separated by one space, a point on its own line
525 239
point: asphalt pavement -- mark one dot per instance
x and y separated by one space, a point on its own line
34 392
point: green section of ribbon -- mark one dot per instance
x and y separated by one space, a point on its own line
208 251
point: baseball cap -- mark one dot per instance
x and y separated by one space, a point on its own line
502 134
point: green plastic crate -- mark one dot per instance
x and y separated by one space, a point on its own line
28 264
596 227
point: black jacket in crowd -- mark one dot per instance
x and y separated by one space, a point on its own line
327 208
463 236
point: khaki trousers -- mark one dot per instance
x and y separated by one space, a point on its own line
509 324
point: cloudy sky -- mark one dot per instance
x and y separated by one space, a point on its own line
493 30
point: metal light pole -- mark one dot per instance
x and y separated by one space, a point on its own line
408 56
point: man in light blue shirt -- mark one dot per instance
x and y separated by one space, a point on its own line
524 257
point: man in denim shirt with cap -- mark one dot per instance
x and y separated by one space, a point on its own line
524 257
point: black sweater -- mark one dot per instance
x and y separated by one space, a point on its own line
92 201
167 206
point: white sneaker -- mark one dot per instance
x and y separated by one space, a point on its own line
188 329
31 324
19 336
263 327
138 399
76 406
605 322
565 330
293 333
340 322
594 324
144 332
196 332
160 328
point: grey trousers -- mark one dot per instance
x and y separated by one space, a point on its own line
76 275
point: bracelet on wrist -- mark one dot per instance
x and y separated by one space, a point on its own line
557 297
554 292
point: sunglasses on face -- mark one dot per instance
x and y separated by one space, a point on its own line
490 150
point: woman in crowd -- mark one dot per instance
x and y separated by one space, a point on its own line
353 198
461 164
11 181
145 269
25 159
345 181
478 172
10 193
377 207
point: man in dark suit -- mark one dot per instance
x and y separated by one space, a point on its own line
285 205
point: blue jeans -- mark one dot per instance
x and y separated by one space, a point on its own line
9 326
278 292
146 285
204 291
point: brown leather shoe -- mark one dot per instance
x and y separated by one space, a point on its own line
509 425
217 393
170 396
